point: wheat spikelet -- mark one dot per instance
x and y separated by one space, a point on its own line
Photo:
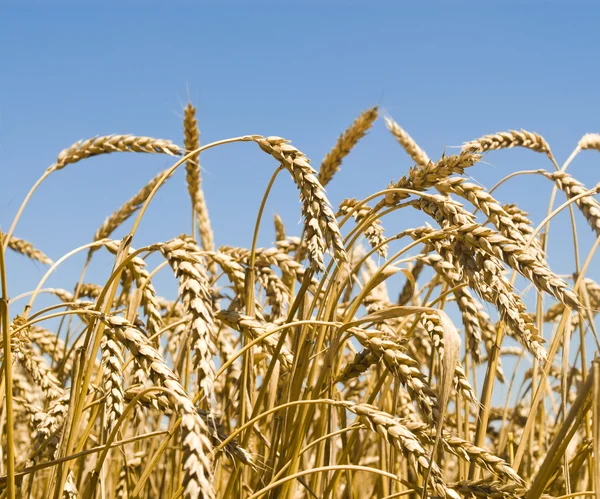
431 322
489 490
469 312
197 469
397 434
112 143
274 257
373 231
254 328
191 143
464 299
485 276
483 200
291 244
321 227
227 387
381 347
357 366
47 423
26 248
139 272
194 181
590 141
112 379
593 290
279 228
467 451
587 204
333 160
194 288
236 274
40 373
447 213
462 384
406 141
520 260
51 345
120 216
420 179
524 225
444 210
277 293
215 429
507 140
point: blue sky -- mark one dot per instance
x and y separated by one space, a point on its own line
448 72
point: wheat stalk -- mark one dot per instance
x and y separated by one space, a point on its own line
114 221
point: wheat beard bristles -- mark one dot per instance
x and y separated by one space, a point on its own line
40 372
194 180
321 226
197 468
194 288
332 162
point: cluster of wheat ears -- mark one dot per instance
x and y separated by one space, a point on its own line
289 371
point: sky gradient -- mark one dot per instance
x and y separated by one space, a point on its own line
447 72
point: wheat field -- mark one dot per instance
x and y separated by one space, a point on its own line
291 371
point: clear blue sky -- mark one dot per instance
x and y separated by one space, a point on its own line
446 71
